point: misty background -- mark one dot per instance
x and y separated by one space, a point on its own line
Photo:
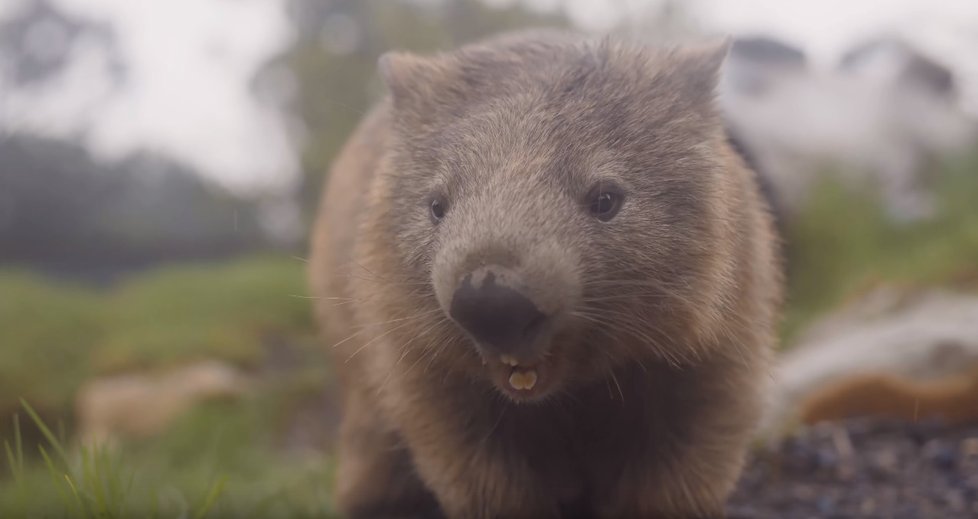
138 132
161 162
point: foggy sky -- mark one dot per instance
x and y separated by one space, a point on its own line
191 61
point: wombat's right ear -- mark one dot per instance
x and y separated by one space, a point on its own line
408 76
702 63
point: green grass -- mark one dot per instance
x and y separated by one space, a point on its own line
55 336
46 335
222 459
841 244
215 462
208 311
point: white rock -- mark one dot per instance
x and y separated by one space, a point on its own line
927 336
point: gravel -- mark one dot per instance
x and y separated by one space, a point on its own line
863 469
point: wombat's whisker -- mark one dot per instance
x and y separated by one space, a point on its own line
406 318
386 281
495 425
375 277
613 320
348 273
433 354
617 384
625 297
611 373
366 327
424 354
404 348
322 298
616 285
378 337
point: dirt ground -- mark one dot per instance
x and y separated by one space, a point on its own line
864 469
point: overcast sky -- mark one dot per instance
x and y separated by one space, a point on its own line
191 61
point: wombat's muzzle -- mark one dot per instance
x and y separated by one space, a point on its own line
491 305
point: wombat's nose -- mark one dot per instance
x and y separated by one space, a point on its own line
496 314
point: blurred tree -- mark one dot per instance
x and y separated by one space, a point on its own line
66 211
62 209
333 60
36 40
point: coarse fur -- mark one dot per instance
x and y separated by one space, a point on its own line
652 376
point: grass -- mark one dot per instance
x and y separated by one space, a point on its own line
46 335
223 459
841 244
225 311
55 336
217 464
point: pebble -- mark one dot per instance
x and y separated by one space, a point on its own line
864 468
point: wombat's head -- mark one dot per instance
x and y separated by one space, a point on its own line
561 199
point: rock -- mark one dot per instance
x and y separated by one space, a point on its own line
930 336
141 405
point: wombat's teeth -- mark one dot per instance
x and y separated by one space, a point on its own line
509 360
523 380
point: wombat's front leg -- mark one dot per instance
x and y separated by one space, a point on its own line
470 469
481 485
376 477
689 466
661 495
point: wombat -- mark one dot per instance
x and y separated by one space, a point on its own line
549 284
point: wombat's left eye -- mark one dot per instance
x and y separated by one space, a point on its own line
605 201
437 208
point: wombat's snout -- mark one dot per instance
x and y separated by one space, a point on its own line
490 304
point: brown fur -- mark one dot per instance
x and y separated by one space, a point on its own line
666 313
953 400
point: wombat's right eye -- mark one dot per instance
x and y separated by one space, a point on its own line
604 201
438 208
